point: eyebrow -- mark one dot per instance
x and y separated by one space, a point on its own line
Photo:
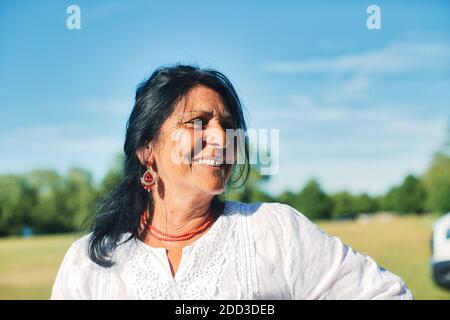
226 116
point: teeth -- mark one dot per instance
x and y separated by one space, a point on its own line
209 162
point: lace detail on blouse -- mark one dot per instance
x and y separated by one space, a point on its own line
145 278
225 245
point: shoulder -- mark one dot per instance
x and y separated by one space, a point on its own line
263 209
316 264
267 210
78 252
278 217
76 258
77 263
81 244
79 249
72 274
79 277
284 242
283 228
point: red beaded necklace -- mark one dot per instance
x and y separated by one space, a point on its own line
162 236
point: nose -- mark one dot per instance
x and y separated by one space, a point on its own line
215 135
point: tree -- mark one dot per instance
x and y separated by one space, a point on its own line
77 196
437 182
388 202
49 215
17 200
313 202
411 196
343 205
289 198
365 204
113 176
437 178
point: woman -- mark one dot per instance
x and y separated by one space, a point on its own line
163 233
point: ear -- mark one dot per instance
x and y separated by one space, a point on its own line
145 154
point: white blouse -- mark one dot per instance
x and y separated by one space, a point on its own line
252 251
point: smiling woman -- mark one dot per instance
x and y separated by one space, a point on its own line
163 232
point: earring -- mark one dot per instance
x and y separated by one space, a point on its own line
148 180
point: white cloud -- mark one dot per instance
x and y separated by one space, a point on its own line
343 137
382 126
358 149
394 58
356 88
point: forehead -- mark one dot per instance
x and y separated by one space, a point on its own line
201 99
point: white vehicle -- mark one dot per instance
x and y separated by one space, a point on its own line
440 245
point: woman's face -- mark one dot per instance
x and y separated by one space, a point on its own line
196 131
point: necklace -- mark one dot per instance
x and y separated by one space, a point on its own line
162 236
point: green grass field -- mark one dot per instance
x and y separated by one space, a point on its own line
28 266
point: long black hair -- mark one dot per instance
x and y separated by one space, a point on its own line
119 212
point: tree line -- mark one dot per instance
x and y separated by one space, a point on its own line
47 202
429 193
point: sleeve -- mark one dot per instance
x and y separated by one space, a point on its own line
321 266
73 274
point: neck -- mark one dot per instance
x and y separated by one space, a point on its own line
180 212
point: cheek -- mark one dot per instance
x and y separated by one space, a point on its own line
179 148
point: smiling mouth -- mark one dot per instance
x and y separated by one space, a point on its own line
209 162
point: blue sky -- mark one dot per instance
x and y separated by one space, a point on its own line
356 108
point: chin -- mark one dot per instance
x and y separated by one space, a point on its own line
217 191
209 185
214 190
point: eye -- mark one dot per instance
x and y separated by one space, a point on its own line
196 123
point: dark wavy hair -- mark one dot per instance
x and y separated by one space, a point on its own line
119 212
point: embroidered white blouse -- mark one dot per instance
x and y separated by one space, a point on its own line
253 251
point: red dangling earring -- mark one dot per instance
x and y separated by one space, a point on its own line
148 180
